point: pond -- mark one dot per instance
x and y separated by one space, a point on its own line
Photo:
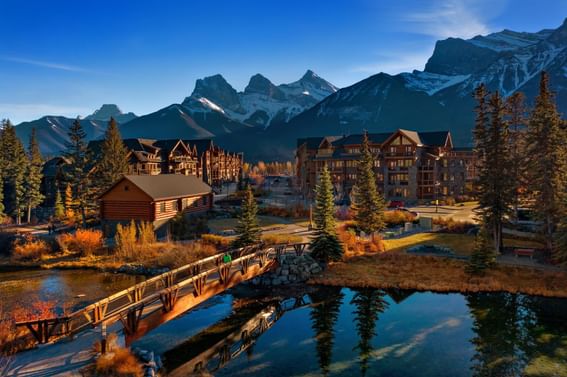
367 332
69 288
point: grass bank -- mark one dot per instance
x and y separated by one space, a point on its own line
461 244
429 273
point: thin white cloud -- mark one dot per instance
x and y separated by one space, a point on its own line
451 18
44 64
21 112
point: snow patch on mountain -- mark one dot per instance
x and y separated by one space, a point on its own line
431 83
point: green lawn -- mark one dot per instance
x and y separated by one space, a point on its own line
461 244
218 225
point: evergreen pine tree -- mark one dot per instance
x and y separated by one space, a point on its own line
369 304
2 208
69 203
325 246
15 167
78 170
248 229
516 111
495 183
59 208
368 203
547 169
483 255
113 162
33 195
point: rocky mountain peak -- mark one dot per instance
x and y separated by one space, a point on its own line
109 110
218 90
261 85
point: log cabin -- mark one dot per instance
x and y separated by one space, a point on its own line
153 198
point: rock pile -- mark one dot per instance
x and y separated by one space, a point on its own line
138 269
292 269
151 363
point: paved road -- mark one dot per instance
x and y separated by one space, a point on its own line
465 213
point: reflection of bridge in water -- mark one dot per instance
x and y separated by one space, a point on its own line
161 298
212 348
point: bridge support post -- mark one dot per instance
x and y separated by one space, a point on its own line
168 299
224 273
299 248
263 257
132 320
244 264
137 293
199 284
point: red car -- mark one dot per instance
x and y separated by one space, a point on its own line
396 204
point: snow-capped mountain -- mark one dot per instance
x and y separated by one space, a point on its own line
51 132
437 98
262 103
191 120
107 111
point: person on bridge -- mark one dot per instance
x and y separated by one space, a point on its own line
227 258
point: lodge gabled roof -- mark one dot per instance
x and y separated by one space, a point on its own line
166 186
356 139
202 145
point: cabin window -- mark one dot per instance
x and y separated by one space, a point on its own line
162 207
174 206
126 188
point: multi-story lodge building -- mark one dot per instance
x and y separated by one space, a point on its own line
409 165
201 158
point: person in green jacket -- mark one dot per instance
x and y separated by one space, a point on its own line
227 258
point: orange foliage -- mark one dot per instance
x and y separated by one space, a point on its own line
449 225
354 245
395 218
216 240
29 248
84 241
120 362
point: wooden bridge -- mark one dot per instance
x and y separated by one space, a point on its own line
161 298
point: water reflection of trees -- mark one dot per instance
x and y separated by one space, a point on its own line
369 303
513 333
324 315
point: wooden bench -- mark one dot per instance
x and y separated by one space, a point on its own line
524 253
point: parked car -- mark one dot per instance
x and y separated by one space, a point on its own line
395 204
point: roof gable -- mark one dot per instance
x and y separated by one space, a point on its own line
166 186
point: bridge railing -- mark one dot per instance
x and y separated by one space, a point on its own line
127 305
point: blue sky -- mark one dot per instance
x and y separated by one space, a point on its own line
63 57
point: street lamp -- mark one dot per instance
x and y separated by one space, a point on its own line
437 184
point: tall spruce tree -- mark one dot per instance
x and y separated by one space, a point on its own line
547 169
248 231
2 171
79 168
113 162
516 115
495 183
325 246
59 208
483 256
15 166
368 203
33 196
69 203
